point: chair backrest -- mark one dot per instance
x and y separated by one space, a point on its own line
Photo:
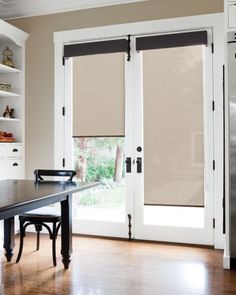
63 173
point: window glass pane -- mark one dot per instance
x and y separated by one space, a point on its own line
100 160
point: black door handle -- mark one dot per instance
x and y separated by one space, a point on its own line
139 165
128 165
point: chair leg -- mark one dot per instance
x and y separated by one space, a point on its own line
38 240
54 237
22 235
38 228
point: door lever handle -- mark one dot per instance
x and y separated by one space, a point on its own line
128 165
139 165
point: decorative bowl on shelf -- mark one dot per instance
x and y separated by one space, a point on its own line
12 139
6 137
5 86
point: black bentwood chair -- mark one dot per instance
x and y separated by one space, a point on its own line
41 219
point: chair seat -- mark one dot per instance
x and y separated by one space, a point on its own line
42 214
40 218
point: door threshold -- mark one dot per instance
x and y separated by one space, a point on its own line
145 241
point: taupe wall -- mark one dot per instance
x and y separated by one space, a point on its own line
40 59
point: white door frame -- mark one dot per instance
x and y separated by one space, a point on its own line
213 21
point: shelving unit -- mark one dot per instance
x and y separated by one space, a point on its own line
12 154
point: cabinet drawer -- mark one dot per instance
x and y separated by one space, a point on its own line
232 16
14 169
14 151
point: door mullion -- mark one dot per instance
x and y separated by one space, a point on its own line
138 139
129 135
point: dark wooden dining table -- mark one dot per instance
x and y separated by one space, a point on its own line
20 196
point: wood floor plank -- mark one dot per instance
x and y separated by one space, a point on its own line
110 267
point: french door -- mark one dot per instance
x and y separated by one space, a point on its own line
99 139
174 138
168 136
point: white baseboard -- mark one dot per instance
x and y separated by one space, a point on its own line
226 261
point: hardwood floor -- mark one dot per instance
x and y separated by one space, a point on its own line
110 267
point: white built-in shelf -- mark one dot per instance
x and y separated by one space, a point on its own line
10 142
9 119
5 69
8 94
14 39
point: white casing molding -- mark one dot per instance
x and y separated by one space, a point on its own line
15 34
24 8
226 260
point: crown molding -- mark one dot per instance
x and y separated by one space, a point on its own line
25 8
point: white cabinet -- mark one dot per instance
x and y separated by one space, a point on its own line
12 154
11 161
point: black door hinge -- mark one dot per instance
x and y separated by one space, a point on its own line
214 223
63 60
212 47
63 111
128 48
213 105
63 162
214 165
129 226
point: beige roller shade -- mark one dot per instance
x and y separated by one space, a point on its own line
173 126
99 95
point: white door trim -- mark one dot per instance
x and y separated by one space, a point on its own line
213 21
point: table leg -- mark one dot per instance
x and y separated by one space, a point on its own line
9 237
66 230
